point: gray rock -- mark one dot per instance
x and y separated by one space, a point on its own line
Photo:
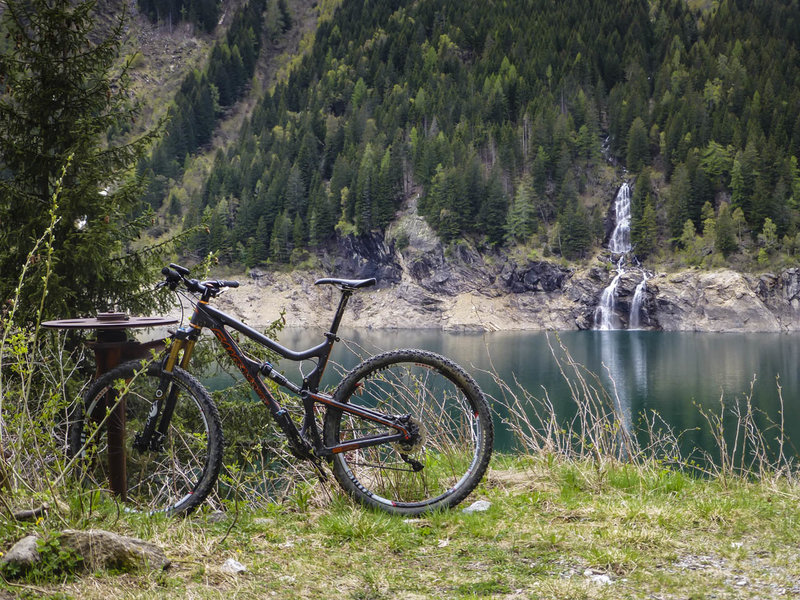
105 550
24 554
477 506
232 567
534 276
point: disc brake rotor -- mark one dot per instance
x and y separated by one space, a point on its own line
418 437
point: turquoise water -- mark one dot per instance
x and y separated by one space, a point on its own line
672 373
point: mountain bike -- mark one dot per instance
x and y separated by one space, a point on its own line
407 431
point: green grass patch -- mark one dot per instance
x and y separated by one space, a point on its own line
555 529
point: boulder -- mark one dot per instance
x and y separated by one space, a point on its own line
106 550
534 276
23 555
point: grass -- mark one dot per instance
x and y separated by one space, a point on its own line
555 529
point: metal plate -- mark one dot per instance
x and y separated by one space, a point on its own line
104 322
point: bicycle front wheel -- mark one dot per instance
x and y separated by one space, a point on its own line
453 441
173 475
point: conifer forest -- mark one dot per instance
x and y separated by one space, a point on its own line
500 118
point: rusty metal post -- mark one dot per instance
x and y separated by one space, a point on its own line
112 348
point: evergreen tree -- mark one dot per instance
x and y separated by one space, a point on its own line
280 245
576 231
641 197
679 198
725 240
366 190
638 146
63 92
648 237
493 210
521 222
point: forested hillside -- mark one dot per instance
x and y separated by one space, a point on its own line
503 115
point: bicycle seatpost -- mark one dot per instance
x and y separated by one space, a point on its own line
337 318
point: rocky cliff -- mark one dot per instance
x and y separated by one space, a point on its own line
422 284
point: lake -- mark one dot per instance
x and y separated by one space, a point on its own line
672 373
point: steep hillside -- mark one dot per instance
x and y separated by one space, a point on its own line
508 114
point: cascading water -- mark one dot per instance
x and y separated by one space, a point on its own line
619 243
604 316
636 304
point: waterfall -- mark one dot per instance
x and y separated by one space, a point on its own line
604 315
620 241
636 303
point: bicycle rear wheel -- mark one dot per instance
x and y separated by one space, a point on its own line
175 477
446 460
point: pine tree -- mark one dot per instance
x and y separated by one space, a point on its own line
493 211
638 146
63 92
725 240
576 231
280 248
679 198
521 222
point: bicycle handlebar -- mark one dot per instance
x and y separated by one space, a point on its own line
176 274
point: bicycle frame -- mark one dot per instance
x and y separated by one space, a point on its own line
206 316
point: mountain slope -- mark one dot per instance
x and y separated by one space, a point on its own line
507 115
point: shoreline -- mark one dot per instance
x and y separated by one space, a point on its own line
702 301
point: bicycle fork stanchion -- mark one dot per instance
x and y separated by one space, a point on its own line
112 348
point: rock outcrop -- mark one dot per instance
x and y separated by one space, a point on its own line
712 301
422 284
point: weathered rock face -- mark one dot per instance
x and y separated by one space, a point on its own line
360 257
499 293
534 276
720 301
423 284
781 295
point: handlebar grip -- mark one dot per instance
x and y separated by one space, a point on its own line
230 284
178 268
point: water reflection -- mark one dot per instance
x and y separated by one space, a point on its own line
618 358
668 372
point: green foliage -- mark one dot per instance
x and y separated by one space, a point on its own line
725 240
521 220
203 96
638 146
62 94
576 232
457 97
56 563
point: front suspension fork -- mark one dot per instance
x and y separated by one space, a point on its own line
154 431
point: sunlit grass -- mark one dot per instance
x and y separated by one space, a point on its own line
555 528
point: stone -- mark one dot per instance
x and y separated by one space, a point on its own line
216 517
24 554
106 550
477 506
232 567
598 577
